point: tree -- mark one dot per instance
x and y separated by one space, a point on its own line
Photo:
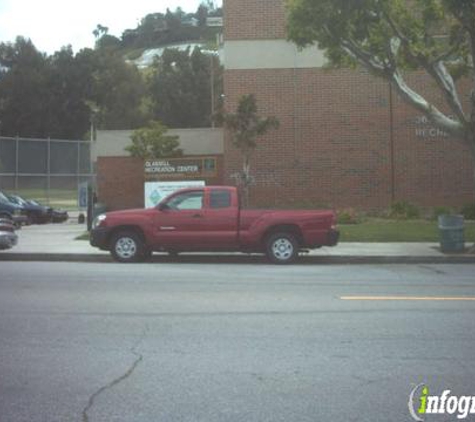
246 128
67 86
388 36
100 31
180 89
151 142
23 89
117 87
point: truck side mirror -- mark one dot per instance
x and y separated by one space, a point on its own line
163 206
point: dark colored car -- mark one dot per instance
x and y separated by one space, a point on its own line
57 215
37 214
12 211
8 237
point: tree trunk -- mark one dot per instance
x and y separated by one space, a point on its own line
246 180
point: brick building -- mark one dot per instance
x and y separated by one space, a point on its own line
121 179
345 138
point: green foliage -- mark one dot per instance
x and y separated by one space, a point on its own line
377 230
246 127
151 142
442 210
119 89
158 29
404 210
339 26
49 96
468 211
388 36
348 216
43 96
180 89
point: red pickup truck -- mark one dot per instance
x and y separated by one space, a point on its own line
211 219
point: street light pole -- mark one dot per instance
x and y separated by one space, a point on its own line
212 89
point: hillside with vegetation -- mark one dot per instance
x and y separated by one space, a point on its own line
60 96
164 29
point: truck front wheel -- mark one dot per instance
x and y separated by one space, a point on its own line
282 248
127 246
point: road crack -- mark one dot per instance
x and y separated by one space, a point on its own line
116 381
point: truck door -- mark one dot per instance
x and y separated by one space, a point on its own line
201 219
221 220
179 221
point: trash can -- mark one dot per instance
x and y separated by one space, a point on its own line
451 232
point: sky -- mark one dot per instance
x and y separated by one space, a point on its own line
52 24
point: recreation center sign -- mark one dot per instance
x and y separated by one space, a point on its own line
180 168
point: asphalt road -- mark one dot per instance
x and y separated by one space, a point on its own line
231 342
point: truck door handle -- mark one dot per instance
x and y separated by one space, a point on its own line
197 216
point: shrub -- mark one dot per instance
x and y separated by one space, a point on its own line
441 211
348 216
404 210
468 211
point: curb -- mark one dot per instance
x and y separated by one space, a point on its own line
54 257
243 258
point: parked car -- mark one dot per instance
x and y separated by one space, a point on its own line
37 214
8 237
12 211
211 219
57 215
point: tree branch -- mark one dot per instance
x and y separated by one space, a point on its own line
435 68
364 58
453 127
444 80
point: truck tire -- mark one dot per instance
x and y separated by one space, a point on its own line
127 246
282 248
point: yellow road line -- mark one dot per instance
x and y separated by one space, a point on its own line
426 298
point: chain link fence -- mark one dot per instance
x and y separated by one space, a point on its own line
47 170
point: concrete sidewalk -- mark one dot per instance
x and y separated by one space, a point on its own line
56 242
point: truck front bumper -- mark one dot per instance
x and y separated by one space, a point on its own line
99 238
332 237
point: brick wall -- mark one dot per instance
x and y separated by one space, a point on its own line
120 181
254 19
334 144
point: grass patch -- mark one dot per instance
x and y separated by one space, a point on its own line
84 236
383 230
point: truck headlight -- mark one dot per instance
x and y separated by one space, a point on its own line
98 221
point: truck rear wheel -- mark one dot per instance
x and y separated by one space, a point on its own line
282 248
127 246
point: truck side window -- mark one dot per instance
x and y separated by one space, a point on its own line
220 199
187 201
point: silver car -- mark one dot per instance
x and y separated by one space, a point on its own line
8 237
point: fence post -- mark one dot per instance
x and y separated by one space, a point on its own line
16 163
78 167
48 169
